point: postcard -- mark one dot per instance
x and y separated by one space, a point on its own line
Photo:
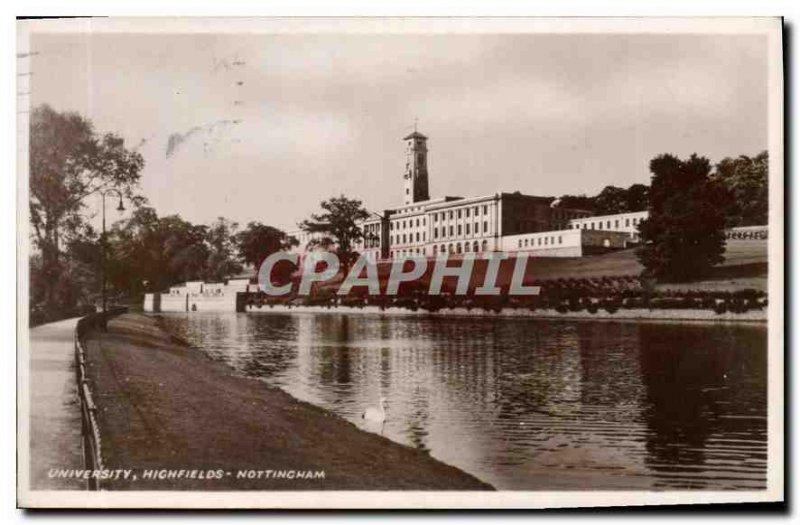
400 262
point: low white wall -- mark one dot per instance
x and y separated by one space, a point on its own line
173 303
152 302
212 303
559 243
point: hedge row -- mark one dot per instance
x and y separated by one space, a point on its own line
735 302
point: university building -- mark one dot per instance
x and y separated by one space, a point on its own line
498 222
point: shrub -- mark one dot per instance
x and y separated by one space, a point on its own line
611 306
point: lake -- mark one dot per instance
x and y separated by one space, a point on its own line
525 404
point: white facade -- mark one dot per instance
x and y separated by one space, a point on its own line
198 296
621 222
465 225
566 243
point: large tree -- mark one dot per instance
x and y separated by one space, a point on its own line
576 202
222 261
69 162
611 200
151 253
684 234
337 228
637 197
257 241
746 180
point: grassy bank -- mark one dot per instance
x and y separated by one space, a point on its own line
165 406
745 266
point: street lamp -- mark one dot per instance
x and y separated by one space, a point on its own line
120 208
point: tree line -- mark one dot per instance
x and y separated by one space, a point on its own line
741 181
71 166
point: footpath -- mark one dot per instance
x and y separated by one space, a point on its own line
55 415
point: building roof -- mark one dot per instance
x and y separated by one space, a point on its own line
415 135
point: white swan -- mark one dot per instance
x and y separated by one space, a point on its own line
376 415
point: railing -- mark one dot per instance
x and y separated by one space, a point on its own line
90 430
747 233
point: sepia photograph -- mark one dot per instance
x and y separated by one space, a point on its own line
399 262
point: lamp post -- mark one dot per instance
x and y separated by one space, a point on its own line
103 248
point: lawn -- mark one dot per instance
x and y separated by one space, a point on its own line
745 266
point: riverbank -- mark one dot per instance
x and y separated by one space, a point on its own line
166 410
626 314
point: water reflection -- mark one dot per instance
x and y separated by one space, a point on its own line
526 404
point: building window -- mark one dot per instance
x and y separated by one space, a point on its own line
559 240
458 247
466 213
539 241
417 222
616 223
404 238
627 222
485 226
450 215
406 191
475 246
466 247
484 245
435 218
459 229
608 225
442 248
417 236
485 209
467 228
451 231
520 243
459 215
435 233
450 248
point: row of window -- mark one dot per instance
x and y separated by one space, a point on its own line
440 216
591 225
406 238
457 230
451 248
541 241
464 247
410 223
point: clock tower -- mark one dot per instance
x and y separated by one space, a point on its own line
415 180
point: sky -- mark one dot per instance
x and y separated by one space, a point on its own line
262 127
